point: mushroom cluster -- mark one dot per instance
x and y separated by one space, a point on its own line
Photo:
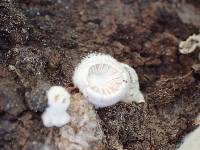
104 81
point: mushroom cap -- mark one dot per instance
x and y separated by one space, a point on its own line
58 97
131 72
102 79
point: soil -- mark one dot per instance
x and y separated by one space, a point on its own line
41 41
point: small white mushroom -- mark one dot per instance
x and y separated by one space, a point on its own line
58 102
134 93
190 44
191 141
105 81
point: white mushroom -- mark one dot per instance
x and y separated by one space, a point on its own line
190 44
134 93
105 81
58 102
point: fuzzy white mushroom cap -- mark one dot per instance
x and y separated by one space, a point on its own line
102 79
191 141
58 102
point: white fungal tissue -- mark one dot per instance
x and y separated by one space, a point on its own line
134 93
104 81
58 102
191 141
190 44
